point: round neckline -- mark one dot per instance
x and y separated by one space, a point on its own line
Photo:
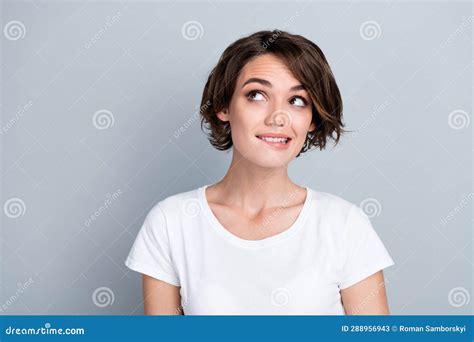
231 237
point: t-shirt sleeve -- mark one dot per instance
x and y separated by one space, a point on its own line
365 254
150 253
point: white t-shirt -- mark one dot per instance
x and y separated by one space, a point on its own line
330 246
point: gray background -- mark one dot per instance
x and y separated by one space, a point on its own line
406 81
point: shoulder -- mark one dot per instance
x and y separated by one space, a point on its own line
336 210
333 203
175 205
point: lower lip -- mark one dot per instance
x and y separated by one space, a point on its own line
278 145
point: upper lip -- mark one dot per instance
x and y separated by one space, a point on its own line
273 135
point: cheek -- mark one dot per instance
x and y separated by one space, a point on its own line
301 125
245 119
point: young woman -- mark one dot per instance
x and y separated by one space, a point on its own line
256 243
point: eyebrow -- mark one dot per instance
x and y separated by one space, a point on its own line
268 84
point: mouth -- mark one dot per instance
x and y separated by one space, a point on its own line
278 141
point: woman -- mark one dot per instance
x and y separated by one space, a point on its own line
256 243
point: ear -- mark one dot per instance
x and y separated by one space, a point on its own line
223 115
312 127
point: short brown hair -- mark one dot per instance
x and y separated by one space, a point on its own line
305 60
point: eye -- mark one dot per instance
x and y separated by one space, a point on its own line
300 101
255 95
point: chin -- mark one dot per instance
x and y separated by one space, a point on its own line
269 161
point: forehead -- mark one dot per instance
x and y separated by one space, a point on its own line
269 67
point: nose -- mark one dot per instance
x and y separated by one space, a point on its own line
278 115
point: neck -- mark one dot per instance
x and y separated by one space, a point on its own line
253 188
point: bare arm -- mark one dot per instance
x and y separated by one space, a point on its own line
367 297
160 298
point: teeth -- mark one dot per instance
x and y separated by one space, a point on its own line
271 139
